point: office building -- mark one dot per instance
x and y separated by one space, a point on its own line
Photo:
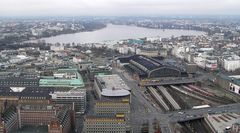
111 108
104 125
111 88
75 98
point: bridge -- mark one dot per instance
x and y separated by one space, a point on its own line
183 115
171 81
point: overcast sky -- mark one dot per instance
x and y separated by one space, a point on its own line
118 7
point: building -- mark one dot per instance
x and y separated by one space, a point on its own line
14 96
231 83
205 61
114 98
235 128
98 70
19 79
104 125
151 67
231 63
150 53
218 37
211 63
69 88
75 98
9 120
191 68
35 107
36 114
222 123
47 115
63 123
111 87
57 48
111 108
68 78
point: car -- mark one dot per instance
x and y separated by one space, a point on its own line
181 112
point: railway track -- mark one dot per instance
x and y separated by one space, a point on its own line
169 97
158 98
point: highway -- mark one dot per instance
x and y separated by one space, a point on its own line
142 109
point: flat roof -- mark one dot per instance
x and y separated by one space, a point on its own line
220 121
113 85
233 78
52 82
71 94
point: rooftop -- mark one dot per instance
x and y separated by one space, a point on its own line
113 85
233 78
75 81
71 94
222 121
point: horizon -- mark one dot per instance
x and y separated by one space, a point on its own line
41 8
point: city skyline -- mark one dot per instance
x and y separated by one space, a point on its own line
118 7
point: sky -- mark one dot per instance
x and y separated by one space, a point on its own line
118 7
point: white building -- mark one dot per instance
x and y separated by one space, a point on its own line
211 63
231 63
179 51
57 48
111 86
77 59
126 49
206 61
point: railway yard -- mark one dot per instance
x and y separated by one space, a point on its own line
178 102
182 97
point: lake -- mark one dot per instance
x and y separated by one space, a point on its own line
116 33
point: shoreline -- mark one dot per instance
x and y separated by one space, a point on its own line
133 26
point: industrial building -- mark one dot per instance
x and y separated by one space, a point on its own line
150 67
